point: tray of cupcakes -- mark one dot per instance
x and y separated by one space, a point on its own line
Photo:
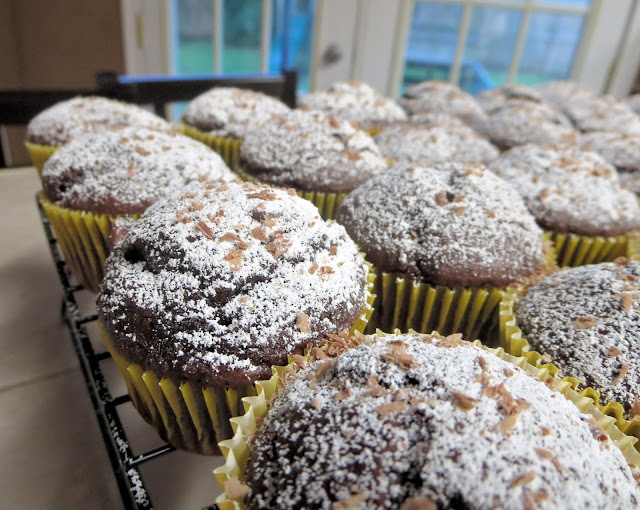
362 303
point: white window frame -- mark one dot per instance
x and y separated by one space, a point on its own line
371 38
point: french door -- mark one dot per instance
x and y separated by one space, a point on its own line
391 43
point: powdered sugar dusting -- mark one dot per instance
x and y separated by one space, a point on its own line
602 113
68 119
209 286
311 150
457 427
231 112
517 122
586 318
124 171
558 93
443 142
366 109
569 189
455 224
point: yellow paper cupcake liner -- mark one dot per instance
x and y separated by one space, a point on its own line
575 250
237 449
227 148
328 203
192 417
514 343
39 154
83 240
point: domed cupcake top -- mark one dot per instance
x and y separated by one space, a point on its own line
353 87
586 318
450 224
569 189
441 97
426 422
558 93
446 142
218 284
602 113
313 151
68 119
231 112
494 98
124 171
430 118
368 110
519 122
619 149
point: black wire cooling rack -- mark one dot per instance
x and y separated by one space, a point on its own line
124 462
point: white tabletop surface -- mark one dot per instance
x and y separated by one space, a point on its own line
51 451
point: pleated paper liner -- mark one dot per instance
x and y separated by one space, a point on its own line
237 449
328 203
406 304
514 343
83 240
575 250
39 154
227 148
189 416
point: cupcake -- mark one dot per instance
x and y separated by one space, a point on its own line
619 149
602 113
213 287
445 240
519 122
442 97
575 194
435 143
66 120
356 102
495 98
223 116
431 118
585 321
559 93
322 157
95 178
421 422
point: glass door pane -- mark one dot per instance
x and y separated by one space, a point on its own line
193 41
242 21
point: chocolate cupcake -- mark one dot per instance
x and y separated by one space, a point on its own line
573 191
602 113
212 288
586 320
95 178
442 97
356 102
223 116
445 240
435 143
495 98
421 422
322 157
619 149
66 120
558 93
519 122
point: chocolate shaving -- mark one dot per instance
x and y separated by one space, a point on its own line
313 268
459 209
302 322
441 198
315 403
278 247
333 250
393 407
545 431
635 408
351 502
197 206
234 257
585 322
418 503
142 151
264 194
613 352
463 401
259 234
544 453
523 479
622 372
268 221
490 213
204 228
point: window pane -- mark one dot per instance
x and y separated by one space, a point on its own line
242 21
292 32
193 50
489 47
432 42
550 48
569 3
